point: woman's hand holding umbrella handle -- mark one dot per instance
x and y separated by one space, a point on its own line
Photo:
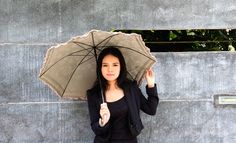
105 115
150 77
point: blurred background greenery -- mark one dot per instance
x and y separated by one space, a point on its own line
188 40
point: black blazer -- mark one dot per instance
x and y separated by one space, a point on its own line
136 101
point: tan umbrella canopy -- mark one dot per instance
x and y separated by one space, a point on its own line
70 68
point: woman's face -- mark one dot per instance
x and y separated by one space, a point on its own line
110 68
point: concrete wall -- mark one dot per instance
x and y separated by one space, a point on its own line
30 111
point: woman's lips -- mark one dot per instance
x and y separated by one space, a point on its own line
110 74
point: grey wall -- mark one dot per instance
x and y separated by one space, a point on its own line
31 112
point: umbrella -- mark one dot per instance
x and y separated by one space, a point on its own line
70 68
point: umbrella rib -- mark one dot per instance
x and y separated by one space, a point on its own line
131 50
77 43
109 37
61 60
130 74
80 45
92 38
105 39
84 60
74 71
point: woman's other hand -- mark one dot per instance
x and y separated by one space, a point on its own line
150 77
105 115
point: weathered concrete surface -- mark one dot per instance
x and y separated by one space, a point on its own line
179 121
197 75
44 123
31 112
19 70
40 21
190 122
186 84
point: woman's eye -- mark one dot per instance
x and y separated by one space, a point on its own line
104 65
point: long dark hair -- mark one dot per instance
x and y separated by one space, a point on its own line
122 78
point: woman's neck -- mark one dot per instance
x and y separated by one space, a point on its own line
112 85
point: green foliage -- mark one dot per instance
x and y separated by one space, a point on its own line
188 40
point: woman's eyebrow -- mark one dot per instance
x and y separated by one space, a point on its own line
108 63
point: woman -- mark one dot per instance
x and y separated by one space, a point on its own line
118 120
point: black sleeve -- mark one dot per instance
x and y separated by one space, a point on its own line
149 104
94 108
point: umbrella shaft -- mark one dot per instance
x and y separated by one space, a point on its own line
99 78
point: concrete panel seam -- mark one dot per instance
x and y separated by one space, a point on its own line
29 44
30 103
186 100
